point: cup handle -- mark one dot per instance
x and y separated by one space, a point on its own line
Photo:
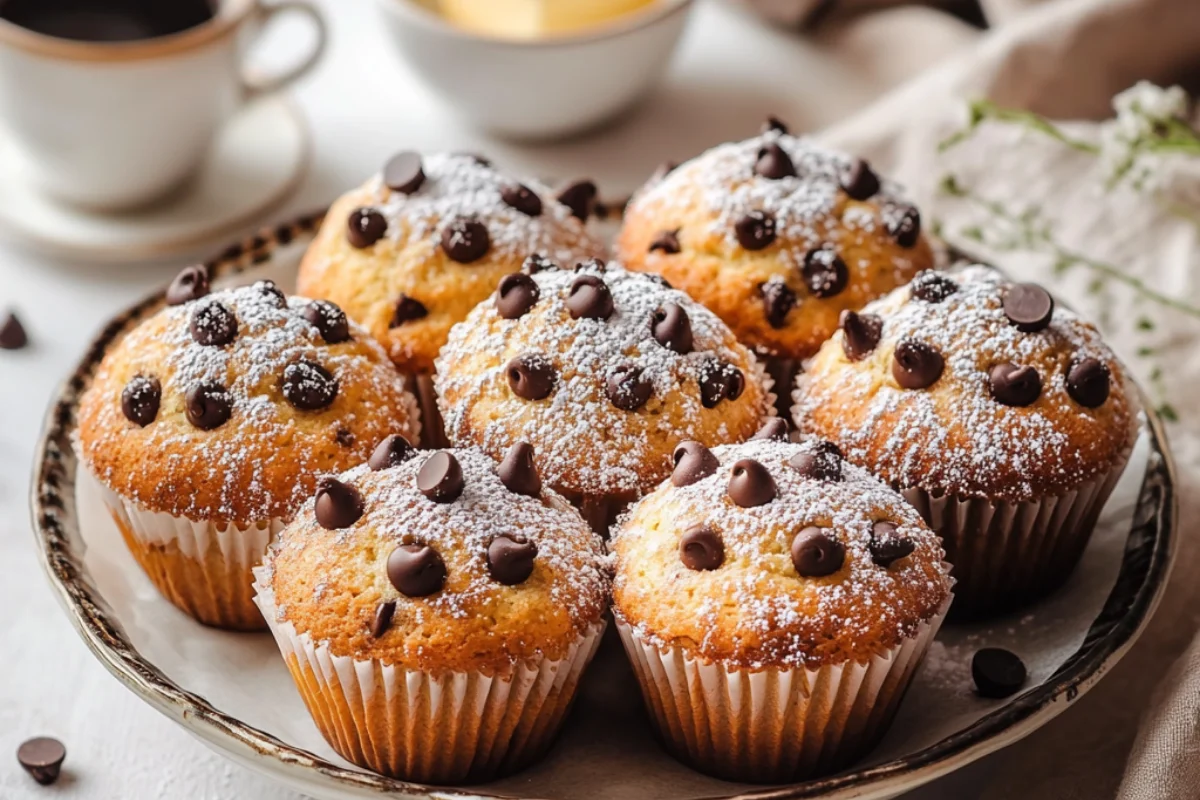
256 85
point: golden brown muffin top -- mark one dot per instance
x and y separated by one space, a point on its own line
1021 408
603 397
236 430
777 235
455 600
828 566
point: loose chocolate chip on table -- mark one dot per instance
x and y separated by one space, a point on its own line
580 197
750 484
628 388
337 505
1088 382
365 227
672 328
755 231
518 473
522 198
208 405
887 545
272 293
1013 385
774 163
329 320
213 324
590 298
383 618
666 242
403 172
774 429
916 365
465 240
820 464
42 758
701 548
997 672
773 123
904 225
510 559
825 273
859 181
535 264
1028 306
693 462
408 309
719 381
416 570
816 554
516 294
531 376
140 400
441 478
932 287
778 300
860 334
308 386
393 451
190 284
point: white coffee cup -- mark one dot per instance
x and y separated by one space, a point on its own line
117 125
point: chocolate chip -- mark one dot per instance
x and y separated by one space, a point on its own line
522 198
859 181
408 309
393 451
820 464
628 388
590 298
720 380
12 332
750 484
657 279
190 284
1028 306
345 437
816 554
329 320
308 386
516 294
773 123
1088 382
932 287
755 231
213 324
778 301
887 545
860 334
535 264
773 163
904 225
403 172
531 376
916 365
365 227
384 612
666 242
337 505
774 429
672 328
272 293
465 240
441 478
594 264
518 473
701 548
42 758
997 672
208 405
140 400
1013 385
416 570
510 559
825 273
693 462
580 197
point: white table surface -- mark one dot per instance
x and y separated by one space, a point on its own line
362 104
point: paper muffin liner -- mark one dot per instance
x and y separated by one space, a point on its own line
772 725
431 431
457 727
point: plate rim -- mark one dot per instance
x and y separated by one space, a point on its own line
1150 551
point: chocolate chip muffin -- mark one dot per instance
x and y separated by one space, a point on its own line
1003 417
412 251
775 603
208 424
436 610
604 371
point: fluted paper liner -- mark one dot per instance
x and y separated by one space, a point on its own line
772 725
458 727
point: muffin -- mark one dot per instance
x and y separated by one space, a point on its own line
603 371
208 424
1004 418
412 251
775 603
437 611
778 236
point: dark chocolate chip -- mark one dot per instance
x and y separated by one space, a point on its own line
916 365
887 545
522 198
42 758
190 284
1088 382
337 504
859 181
213 324
1028 306
773 123
329 320
518 473
693 462
820 464
590 298
272 293
393 451
860 334
778 301
816 554
510 559
1013 385
904 225
580 197
403 172
408 309
666 242
441 478
535 264
209 405
932 287
672 328
774 429
384 612
828 447
997 672
308 386
659 279
516 294
701 548
465 240
12 332
140 400
825 273
416 570
365 227
719 381
774 163
595 264
755 231
531 376
345 437
628 388
750 484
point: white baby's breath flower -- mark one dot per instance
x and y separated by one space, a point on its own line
1146 101
1143 112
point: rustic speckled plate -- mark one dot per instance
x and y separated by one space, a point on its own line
608 728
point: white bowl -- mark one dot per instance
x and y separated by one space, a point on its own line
542 88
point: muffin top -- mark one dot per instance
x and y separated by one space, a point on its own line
227 406
602 370
777 235
966 383
776 554
412 251
440 562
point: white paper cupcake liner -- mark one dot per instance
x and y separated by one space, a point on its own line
772 725
452 728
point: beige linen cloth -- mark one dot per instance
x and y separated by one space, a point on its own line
1136 735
